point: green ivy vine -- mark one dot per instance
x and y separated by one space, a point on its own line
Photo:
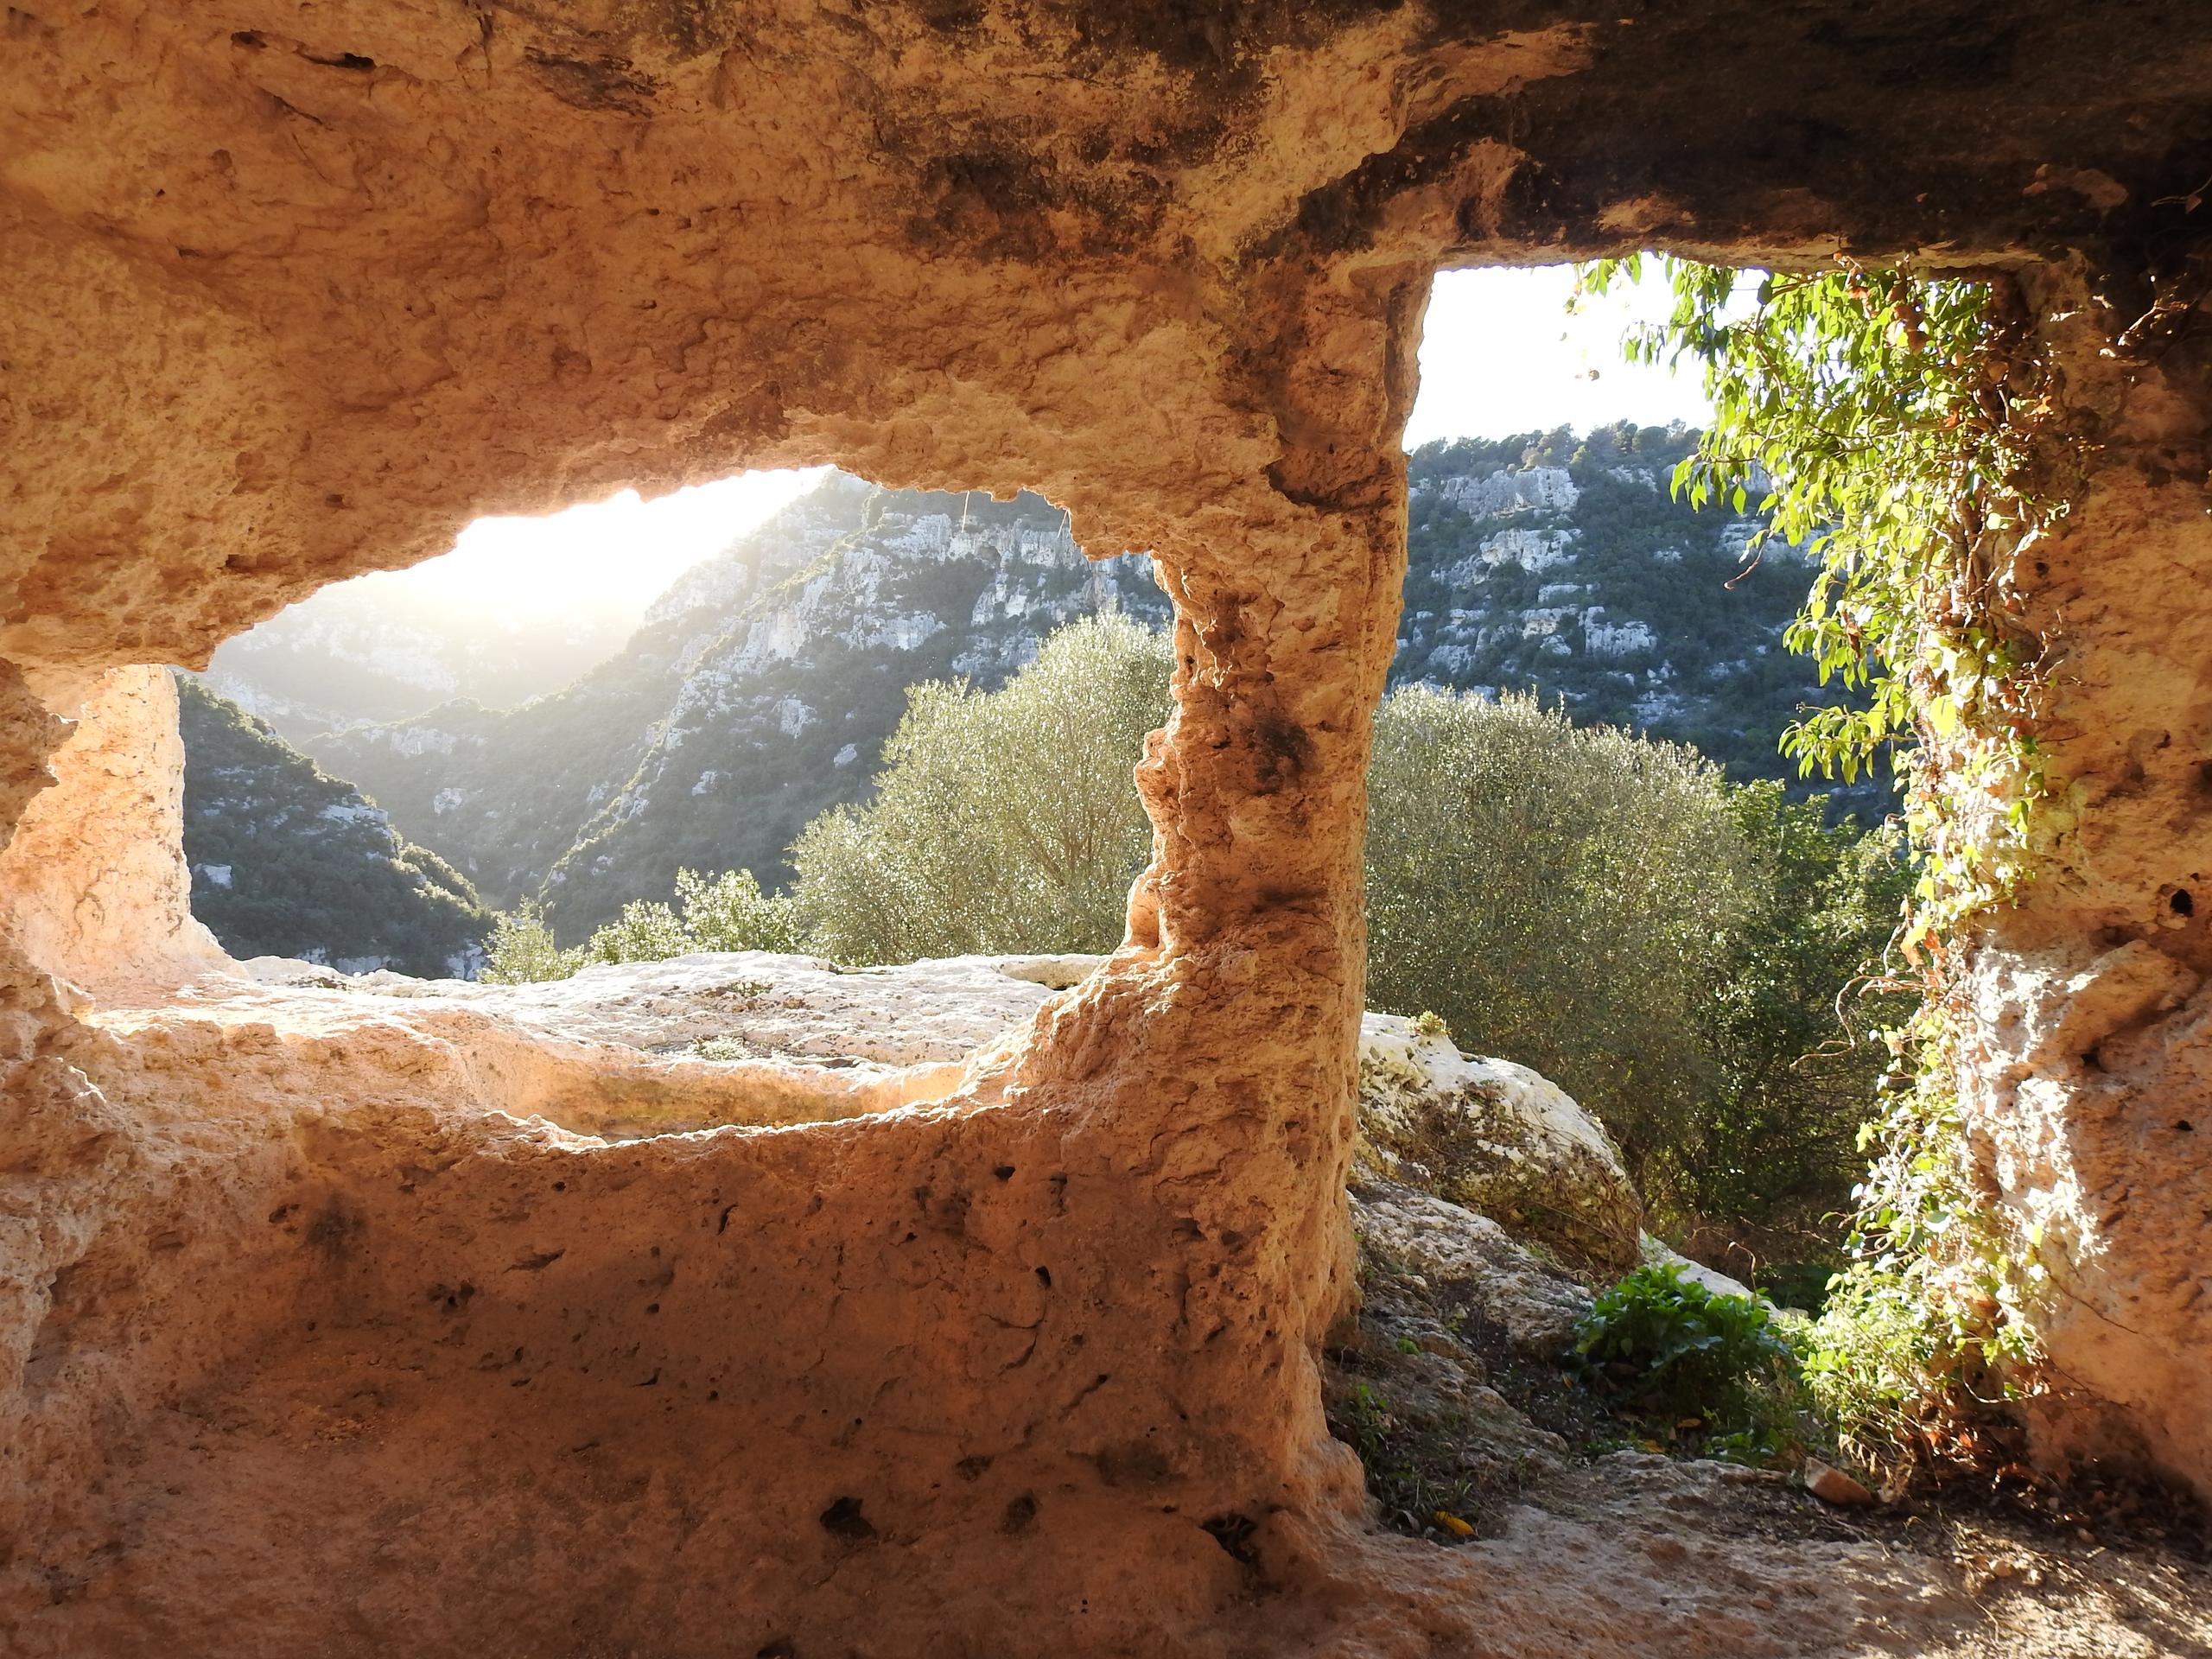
1881 423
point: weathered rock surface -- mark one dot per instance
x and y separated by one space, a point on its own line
93 885
1495 1138
298 1318
1832 1486
1534 1303
1486 1133
761 1003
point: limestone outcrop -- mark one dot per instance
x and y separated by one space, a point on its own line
93 887
306 1343
2081 1069
1454 1248
1492 1137
533 1223
1482 1136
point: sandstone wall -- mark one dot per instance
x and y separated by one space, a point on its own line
292 292
2084 1073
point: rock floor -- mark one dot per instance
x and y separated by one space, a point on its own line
1715 1558
513 1431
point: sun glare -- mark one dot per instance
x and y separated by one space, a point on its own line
615 554
1500 354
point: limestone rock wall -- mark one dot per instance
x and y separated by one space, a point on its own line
289 292
2084 1075
93 887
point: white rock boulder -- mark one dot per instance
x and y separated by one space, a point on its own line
1463 1256
1494 1138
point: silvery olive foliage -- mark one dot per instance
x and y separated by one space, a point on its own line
1564 897
1003 821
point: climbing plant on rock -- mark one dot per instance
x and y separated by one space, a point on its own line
1881 422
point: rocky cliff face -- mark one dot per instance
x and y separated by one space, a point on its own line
287 861
1565 566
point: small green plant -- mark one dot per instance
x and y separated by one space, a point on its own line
1417 1466
1923 1341
1429 1023
1677 1357
1369 1414
523 950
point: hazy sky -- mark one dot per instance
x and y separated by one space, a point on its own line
1499 355
619 553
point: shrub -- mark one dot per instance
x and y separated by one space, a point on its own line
1875 1361
729 913
721 912
1672 949
1670 1350
1563 897
1794 1022
646 930
1679 1341
1004 820
523 950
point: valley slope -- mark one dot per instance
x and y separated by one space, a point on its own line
758 692
760 689
288 862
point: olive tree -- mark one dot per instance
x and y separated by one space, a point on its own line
1601 907
1003 821
1564 897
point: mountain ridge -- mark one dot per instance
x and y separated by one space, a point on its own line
759 688
849 595
288 862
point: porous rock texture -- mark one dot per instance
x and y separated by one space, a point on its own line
308 1346
2085 1074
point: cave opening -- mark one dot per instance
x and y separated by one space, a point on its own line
318 1332
625 760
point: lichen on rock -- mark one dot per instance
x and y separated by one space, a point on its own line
1495 1138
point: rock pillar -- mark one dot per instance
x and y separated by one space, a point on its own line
2085 1061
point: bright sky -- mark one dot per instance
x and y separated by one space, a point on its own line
618 554
1500 355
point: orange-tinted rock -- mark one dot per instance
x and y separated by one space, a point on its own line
2083 1076
1832 1486
308 1344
